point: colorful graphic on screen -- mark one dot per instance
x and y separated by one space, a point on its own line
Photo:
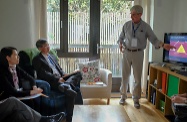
180 53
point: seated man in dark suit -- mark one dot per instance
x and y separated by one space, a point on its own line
13 110
48 69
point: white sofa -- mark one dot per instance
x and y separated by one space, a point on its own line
99 91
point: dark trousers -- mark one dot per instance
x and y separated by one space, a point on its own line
74 82
13 110
180 113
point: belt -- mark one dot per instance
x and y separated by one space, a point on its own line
133 50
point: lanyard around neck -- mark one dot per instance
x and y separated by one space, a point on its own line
134 29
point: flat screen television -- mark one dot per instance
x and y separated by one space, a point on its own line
178 55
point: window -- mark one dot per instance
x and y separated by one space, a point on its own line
87 29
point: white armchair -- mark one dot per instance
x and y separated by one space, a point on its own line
99 91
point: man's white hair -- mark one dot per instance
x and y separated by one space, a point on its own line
137 8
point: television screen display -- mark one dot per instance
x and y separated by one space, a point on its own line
178 55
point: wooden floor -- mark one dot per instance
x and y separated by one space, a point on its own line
100 113
146 113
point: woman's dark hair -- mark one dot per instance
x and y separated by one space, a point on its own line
40 43
5 51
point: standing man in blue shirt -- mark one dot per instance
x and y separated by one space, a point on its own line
132 42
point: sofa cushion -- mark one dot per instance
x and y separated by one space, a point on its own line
32 52
90 71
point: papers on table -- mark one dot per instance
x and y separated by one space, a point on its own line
93 84
99 83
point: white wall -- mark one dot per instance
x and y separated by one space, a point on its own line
180 16
15 25
16 28
169 16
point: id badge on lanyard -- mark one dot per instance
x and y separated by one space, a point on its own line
134 41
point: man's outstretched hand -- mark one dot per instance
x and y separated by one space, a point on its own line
168 47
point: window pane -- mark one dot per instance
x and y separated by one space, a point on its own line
53 23
78 25
114 13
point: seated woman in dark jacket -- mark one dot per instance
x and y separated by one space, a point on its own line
12 77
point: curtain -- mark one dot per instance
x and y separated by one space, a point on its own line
146 5
146 17
38 19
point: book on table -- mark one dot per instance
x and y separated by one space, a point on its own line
99 83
